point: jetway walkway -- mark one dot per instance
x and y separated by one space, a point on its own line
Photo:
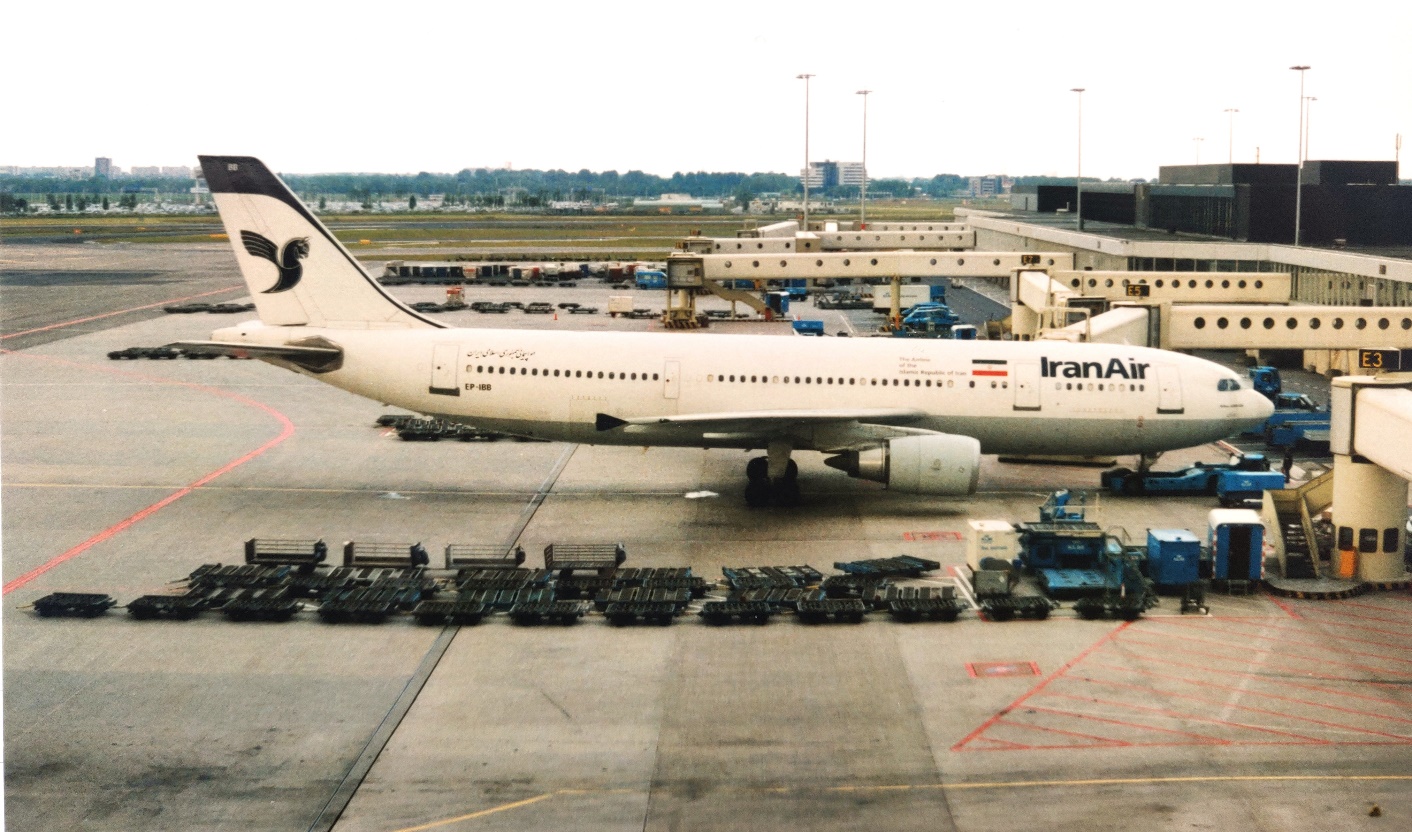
1185 310
689 273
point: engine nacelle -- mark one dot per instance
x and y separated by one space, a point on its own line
940 464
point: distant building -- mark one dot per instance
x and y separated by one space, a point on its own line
982 187
177 171
103 167
148 171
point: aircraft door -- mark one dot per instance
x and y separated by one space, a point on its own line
1169 389
443 369
1027 387
671 379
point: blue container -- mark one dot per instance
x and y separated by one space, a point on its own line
1173 557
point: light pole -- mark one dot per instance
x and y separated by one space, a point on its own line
1299 168
1308 119
863 195
806 76
1197 140
1079 172
1230 136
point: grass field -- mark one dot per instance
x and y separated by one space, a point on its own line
478 234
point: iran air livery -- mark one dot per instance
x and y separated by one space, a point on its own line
914 414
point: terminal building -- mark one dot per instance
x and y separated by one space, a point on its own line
1344 203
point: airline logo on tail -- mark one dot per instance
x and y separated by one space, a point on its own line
285 258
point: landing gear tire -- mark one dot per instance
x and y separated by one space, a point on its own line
758 493
758 469
787 492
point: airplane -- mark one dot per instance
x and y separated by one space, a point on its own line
915 415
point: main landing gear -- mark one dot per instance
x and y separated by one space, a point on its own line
772 479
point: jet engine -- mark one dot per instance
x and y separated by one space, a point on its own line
942 464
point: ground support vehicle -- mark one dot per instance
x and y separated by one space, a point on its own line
306 555
838 610
367 605
746 612
451 611
771 577
623 613
902 566
864 588
1006 607
563 613
934 609
499 579
1245 477
264 604
74 605
216 576
678 598
567 558
777 598
171 607
479 556
1126 607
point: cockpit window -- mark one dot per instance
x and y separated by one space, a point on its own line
1228 384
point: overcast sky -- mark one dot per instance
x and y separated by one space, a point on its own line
958 87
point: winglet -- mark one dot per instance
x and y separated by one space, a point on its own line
606 422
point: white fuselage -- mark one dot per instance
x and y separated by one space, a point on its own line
1014 397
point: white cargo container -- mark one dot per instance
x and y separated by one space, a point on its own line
619 304
991 539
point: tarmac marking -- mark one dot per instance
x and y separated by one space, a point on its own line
1039 687
77 321
482 813
1291 657
286 431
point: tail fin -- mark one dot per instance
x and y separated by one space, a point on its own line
297 271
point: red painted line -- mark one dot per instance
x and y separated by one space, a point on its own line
286 432
1041 686
1282 605
1001 373
1194 718
1329 613
1253 709
1107 742
77 321
1209 683
1241 660
1167 661
1289 657
1343 639
1205 740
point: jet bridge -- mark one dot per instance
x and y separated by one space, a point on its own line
1371 415
689 274
1195 310
950 237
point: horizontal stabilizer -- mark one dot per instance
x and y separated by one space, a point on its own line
317 358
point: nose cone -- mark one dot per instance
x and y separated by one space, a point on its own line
1261 408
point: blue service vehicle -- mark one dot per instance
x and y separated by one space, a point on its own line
1297 419
808 327
651 279
1241 479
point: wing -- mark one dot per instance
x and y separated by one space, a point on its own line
259 246
820 430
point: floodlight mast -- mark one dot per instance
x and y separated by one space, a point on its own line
863 194
1079 172
805 76
1230 136
1299 168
